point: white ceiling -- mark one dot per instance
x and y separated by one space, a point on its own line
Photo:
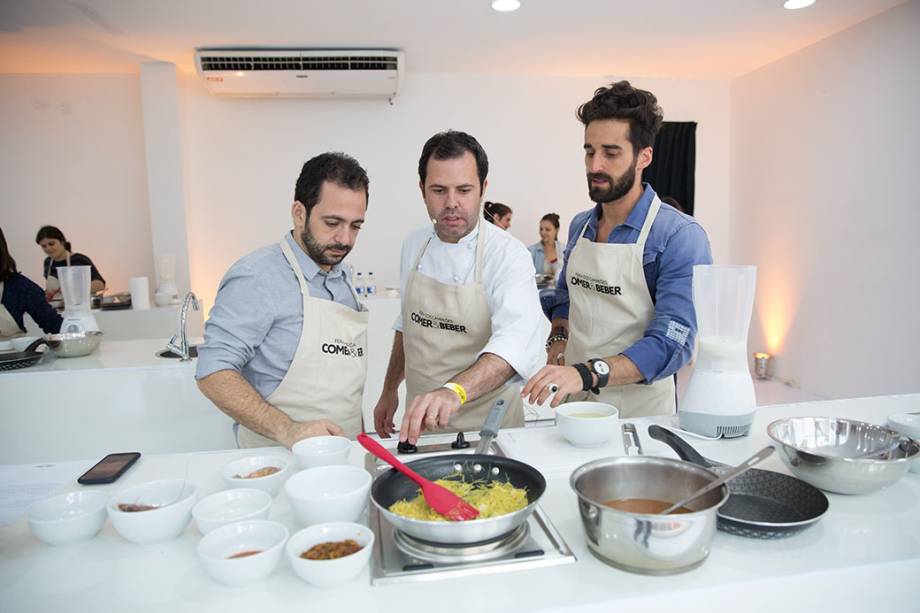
654 38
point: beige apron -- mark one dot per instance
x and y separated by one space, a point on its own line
52 284
326 377
8 326
444 329
610 309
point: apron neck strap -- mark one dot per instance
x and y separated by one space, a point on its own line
480 249
292 260
649 220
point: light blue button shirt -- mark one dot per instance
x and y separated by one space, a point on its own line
255 325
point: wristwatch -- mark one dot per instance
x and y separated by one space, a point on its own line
586 378
602 370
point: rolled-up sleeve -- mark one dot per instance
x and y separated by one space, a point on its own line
668 340
242 315
518 325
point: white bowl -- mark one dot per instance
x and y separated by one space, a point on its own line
328 493
23 342
323 573
174 499
231 506
266 537
587 424
67 518
321 451
244 466
907 424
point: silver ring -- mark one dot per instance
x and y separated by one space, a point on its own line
553 388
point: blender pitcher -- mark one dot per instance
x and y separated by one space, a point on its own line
75 285
719 400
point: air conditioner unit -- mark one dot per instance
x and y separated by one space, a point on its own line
301 73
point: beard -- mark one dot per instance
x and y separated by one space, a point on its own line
617 188
319 252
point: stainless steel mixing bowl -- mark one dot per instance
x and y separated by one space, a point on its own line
842 455
647 543
74 344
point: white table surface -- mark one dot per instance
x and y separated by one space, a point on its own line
864 554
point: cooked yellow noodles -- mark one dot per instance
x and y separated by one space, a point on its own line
492 499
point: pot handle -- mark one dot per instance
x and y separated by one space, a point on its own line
681 447
492 425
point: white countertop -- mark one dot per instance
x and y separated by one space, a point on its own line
138 353
863 555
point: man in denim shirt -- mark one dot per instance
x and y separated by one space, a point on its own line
622 315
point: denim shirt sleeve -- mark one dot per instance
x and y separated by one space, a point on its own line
668 341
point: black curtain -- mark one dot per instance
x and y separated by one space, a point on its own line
674 163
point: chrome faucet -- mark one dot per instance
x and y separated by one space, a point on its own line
179 342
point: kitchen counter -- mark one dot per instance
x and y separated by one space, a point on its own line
133 324
863 555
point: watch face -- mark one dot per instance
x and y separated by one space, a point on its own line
601 367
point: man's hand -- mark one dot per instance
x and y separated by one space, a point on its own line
555 355
300 430
384 412
565 378
427 412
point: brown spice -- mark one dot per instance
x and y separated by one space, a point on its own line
126 507
331 551
262 472
244 554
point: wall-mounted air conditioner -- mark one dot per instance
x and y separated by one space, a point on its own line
301 73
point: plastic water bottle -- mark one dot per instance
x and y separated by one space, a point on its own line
371 288
359 284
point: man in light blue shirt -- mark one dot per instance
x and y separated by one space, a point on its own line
622 315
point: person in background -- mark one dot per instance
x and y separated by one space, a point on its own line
18 296
547 254
497 213
625 322
58 250
470 323
673 202
285 346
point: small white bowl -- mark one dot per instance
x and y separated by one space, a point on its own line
174 499
244 466
266 537
324 573
67 518
587 424
321 451
909 425
231 506
328 493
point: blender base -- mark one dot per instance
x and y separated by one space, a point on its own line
707 424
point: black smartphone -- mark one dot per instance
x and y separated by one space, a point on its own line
109 468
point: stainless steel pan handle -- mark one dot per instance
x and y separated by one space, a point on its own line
631 443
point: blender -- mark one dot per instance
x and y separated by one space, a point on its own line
719 400
75 285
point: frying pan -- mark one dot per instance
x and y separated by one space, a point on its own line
392 486
763 504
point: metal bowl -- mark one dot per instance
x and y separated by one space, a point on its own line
74 344
650 544
842 455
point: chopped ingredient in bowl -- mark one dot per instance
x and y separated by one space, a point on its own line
244 554
493 499
127 507
331 551
262 472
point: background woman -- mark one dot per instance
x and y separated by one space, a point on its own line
498 213
547 254
57 248
19 295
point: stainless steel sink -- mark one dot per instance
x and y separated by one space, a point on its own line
168 353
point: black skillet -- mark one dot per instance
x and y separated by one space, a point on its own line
763 504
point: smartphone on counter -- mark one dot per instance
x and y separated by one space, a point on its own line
109 468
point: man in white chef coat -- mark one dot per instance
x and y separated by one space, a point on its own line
471 322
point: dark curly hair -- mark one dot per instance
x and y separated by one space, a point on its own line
338 168
450 145
52 232
621 100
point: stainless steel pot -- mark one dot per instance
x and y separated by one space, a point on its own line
843 455
647 543
74 344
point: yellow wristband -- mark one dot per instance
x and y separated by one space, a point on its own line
457 389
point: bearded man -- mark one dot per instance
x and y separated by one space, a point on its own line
623 321
285 351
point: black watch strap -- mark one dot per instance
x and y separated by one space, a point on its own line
586 379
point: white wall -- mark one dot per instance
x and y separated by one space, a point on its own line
825 203
244 157
72 156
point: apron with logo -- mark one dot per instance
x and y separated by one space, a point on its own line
444 329
326 377
8 326
610 309
51 282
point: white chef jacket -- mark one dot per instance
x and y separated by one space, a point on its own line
519 328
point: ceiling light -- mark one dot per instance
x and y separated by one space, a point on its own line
797 4
508 5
